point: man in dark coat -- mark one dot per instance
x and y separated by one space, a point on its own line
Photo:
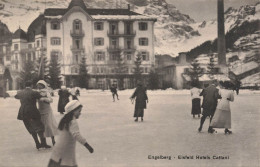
64 95
114 92
140 101
30 115
209 104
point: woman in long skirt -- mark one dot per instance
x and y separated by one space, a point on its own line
47 117
140 101
222 116
195 96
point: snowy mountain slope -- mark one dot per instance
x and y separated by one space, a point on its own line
175 32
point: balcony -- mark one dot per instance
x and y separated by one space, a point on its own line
77 33
76 49
114 49
125 34
129 49
14 61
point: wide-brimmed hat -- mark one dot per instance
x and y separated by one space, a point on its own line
72 105
43 83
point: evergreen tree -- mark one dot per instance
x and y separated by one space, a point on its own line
42 68
83 74
54 73
28 73
153 79
195 71
137 69
120 69
211 65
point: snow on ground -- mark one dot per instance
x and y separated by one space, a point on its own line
168 129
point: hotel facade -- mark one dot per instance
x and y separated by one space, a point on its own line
106 38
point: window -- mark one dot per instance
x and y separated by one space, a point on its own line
77 25
29 57
100 56
55 41
113 56
76 58
128 43
74 70
8 58
38 43
114 43
55 55
143 26
145 56
34 56
100 85
128 55
98 25
29 46
128 28
99 41
77 43
113 28
1 60
55 25
16 46
16 66
143 41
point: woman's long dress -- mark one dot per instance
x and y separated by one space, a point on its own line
222 116
47 116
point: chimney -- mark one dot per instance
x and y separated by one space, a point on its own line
182 58
221 34
128 7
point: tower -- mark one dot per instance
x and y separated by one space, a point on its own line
221 37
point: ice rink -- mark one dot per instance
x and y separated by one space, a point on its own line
168 130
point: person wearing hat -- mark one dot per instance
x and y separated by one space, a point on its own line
30 115
63 153
47 117
141 99
64 95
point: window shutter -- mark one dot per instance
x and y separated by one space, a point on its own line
147 56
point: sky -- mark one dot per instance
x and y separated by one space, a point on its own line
201 10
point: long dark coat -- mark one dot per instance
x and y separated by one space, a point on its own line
28 109
63 100
140 101
210 100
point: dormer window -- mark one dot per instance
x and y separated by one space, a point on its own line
55 25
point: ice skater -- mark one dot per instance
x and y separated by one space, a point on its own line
63 153
113 89
64 95
30 115
209 104
222 116
195 96
47 117
141 99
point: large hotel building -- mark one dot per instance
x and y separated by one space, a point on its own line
99 35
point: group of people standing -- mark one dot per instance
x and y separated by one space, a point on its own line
215 105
